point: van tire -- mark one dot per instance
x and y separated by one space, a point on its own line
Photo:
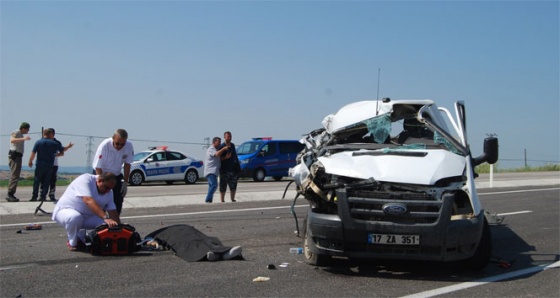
310 257
483 252
259 175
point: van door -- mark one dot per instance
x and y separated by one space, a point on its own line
288 152
268 156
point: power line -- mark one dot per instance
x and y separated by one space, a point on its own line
134 140
89 138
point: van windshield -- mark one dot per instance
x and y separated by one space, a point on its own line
248 147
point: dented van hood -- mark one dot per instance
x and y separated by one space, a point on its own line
421 167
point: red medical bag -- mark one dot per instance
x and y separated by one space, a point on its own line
120 240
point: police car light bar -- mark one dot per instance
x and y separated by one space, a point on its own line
158 148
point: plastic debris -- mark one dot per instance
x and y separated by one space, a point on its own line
261 278
33 227
271 266
502 262
296 250
493 218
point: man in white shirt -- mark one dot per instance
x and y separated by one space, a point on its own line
110 157
86 203
212 167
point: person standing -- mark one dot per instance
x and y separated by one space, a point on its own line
54 173
15 156
45 149
212 167
229 168
114 155
85 204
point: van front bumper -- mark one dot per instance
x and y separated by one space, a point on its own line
441 240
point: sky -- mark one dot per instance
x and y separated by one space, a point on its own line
177 72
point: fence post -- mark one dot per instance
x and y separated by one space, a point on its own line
491 176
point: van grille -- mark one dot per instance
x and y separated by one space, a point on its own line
368 205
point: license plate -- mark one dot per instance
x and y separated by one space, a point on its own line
394 239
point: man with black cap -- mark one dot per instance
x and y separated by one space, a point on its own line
15 158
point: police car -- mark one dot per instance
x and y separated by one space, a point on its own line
160 164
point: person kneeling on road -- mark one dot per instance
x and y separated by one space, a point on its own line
86 204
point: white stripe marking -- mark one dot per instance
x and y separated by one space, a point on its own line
173 214
514 213
516 191
470 284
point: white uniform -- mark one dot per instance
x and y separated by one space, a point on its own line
73 214
111 160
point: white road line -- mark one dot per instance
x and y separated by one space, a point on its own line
172 214
516 191
514 213
470 284
18 267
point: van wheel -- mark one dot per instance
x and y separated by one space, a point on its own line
136 178
310 257
483 252
259 174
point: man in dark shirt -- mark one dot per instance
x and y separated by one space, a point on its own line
45 149
229 169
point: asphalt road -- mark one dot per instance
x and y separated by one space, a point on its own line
37 263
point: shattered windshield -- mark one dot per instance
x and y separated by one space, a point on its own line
400 129
379 128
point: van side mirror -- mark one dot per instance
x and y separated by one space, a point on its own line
490 154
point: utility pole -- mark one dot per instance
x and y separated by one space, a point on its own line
525 154
206 143
89 153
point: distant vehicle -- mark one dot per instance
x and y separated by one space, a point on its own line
262 157
160 164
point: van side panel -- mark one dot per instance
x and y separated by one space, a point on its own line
276 157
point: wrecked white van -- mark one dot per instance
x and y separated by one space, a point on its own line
393 179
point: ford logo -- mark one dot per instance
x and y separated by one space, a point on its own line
394 209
